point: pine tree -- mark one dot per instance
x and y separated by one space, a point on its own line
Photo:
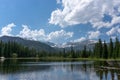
111 48
105 50
100 49
116 50
72 53
84 54
95 50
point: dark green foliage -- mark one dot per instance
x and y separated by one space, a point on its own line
12 49
37 45
111 49
116 48
84 54
72 52
105 50
100 49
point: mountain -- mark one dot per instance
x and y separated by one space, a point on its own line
77 45
39 46
49 46
80 45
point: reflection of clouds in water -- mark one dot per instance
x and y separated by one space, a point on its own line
116 77
76 72
26 76
62 71
58 71
93 76
4 77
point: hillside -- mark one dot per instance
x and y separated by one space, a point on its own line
39 46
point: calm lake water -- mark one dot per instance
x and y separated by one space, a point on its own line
74 70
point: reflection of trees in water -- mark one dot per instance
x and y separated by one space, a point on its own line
15 66
82 68
105 70
102 69
108 69
77 66
9 66
108 74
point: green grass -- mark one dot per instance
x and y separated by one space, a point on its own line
67 59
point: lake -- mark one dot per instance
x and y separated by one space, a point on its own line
66 70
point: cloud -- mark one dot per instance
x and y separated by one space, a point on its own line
58 1
86 11
80 39
6 30
40 35
101 24
113 30
93 35
32 34
59 35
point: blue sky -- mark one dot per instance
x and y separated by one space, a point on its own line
60 21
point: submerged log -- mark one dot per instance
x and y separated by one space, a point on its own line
113 68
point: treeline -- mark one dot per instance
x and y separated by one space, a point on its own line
100 50
13 49
107 50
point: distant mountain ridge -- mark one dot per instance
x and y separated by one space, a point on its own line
80 45
49 46
39 46
76 45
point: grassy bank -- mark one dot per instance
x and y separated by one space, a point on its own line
66 59
77 59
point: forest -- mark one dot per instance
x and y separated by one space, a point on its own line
110 50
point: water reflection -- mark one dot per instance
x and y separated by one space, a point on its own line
108 70
40 70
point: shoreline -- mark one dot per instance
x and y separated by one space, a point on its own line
63 59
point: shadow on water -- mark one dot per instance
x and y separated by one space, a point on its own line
75 70
108 70
16 66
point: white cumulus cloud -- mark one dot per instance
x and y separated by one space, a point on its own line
80 39
84 11
40 35
6 30
93 34
27 33
113 30
58 1
59 35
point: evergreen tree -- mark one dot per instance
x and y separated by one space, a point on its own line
84 54
105 50
95 50
116 49
100 49
111 48
72 52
